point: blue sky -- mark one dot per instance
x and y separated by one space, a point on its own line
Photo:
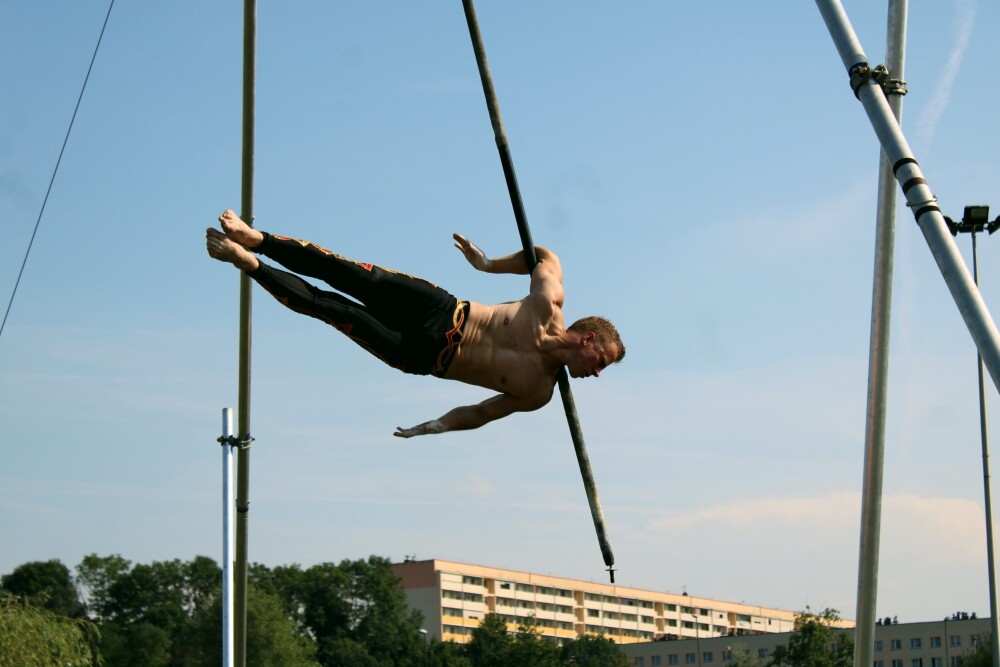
705 175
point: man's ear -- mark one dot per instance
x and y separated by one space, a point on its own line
588 338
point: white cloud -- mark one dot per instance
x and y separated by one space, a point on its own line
793 552
965 13
475 485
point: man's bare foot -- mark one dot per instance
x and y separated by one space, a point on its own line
239 231
224 249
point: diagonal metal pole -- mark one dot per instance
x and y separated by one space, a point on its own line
529 253
915 188
243 413
878 360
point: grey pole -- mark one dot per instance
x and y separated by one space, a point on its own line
227 537
878 361
569 405
987 486
246 212
918 195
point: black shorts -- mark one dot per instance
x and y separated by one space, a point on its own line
407 322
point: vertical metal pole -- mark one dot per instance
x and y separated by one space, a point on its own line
918 193
576 433
987 492
878 363
246 213
227 537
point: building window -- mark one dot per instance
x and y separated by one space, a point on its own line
955 640
916 643
896 645
673 659
936 643
897 663
655 661
917 662
879 663
878 645
974 640
937 662
671 607
707 656
690 658
762 653
639 662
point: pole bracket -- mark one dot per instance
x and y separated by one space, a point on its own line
234 441
862 73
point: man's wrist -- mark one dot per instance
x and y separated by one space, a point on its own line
434 426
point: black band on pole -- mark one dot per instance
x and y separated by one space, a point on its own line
925 209
913 182
902 162
531 258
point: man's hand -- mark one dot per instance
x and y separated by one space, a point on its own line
476 257
433 426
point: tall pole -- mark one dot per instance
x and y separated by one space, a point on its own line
878 361
976 220
576 433
246 213
227 537
918 194
987 493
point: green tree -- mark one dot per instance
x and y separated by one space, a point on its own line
530 649
359 601
982 656
815 643
742 657
446 654
491 643
136 643
147 612
95 574
592 651
35 636
45 584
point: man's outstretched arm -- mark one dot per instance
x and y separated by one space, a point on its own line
512 263
469 417
546 278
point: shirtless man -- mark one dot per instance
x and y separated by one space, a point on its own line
515 349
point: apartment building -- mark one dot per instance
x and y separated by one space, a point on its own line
931 644
455 597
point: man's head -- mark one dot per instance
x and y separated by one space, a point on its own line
600 346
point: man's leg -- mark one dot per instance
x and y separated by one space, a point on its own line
396 299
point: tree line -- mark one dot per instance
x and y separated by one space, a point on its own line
112 612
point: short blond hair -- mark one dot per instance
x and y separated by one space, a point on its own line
603 330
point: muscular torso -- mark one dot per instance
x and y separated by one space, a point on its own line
502 348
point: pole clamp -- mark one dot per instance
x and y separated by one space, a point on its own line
234 441
862 73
